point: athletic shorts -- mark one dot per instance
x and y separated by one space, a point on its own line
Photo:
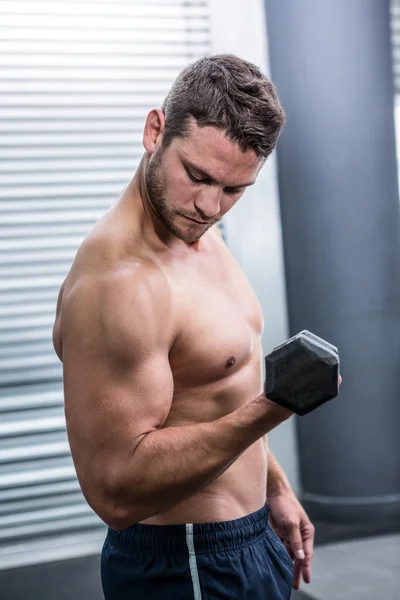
241 559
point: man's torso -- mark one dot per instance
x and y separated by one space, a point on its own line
216 359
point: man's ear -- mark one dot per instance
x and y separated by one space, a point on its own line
153 130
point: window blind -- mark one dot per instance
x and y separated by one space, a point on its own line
77 78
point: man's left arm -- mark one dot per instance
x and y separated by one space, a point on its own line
289 520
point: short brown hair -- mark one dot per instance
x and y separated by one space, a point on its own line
230 93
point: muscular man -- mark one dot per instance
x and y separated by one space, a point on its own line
159 333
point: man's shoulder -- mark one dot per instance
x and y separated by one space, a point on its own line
105 273
121 303
118 280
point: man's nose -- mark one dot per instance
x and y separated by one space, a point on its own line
209 202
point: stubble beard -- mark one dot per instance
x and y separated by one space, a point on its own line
159 202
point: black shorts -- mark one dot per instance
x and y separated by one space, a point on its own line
241 559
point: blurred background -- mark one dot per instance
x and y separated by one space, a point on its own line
318 238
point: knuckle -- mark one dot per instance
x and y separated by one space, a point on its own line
293 523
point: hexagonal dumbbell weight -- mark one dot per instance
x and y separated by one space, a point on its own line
302 373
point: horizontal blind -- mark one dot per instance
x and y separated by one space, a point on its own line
77 79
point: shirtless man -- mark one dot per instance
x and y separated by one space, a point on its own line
159 333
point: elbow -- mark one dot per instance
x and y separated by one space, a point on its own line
117 524
110 499
116 515
117 518
110 509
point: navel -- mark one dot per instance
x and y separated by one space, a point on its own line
230 362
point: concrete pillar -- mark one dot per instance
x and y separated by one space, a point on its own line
339 204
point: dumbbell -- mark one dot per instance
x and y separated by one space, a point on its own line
302 373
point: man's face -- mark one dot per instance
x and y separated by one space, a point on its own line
198 178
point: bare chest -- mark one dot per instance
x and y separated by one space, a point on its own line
220 322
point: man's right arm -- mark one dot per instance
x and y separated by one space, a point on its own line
117 334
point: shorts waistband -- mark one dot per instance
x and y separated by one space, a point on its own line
207 537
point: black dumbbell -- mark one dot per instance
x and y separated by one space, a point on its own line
302 373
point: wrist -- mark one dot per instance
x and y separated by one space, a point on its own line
284 413
280 488
277 482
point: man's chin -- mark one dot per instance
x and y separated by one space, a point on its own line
188 236
189 239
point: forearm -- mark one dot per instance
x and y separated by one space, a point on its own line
172 464
277 482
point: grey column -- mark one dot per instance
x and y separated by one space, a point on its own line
338 187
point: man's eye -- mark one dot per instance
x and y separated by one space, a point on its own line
233 191
195 179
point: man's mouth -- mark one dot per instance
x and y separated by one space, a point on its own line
198 222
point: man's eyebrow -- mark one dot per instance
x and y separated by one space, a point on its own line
187 163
